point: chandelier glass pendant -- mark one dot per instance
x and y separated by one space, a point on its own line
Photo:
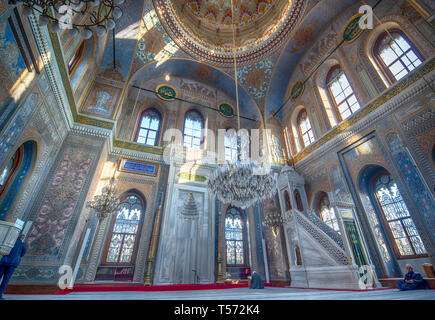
273 217
241 183
106 203
236 183
61 13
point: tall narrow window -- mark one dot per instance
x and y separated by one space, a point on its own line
288 204
327 213
193 125
231 151
396 55
342 95
395 214
298 200
304 127
123 238
234 237
149 127
76 57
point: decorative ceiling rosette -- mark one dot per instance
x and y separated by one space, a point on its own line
203 29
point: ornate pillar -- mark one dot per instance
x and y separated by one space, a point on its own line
152 251
220 274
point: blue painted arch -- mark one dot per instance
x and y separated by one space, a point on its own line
19 179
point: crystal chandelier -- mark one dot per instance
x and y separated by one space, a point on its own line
106 203
236 183
62 12
239 183
273 218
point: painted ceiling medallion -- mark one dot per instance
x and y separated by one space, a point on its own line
297 89
226 110
166 92
351 30
204 28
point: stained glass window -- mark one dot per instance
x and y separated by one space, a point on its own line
396 54
234 237
149 127
124 232
305 130
399 221
231 145
193 125
327 213
342 93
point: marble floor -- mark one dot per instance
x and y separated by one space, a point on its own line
267 293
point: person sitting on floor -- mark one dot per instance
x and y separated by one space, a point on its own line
413 280
256 282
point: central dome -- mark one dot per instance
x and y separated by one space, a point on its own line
204 28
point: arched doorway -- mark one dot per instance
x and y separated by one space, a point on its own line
14 175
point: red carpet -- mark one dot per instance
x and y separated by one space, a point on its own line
173 287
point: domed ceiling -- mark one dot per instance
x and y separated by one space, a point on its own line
204 28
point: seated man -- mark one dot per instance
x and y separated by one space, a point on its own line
256 282
413 280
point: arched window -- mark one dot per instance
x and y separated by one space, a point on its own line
10 169
343 98
234 237
193 125
231 151
76 57
395 215
298 200
396 54
288 204
326 213
121 249
305 131
149 127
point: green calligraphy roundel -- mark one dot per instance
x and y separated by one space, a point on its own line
297 90
166 92
351 30
226 110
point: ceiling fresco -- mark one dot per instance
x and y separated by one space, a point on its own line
212 42
145 42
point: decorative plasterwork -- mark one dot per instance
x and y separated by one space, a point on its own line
193 44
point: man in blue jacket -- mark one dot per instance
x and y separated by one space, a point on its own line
413 280
10 262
